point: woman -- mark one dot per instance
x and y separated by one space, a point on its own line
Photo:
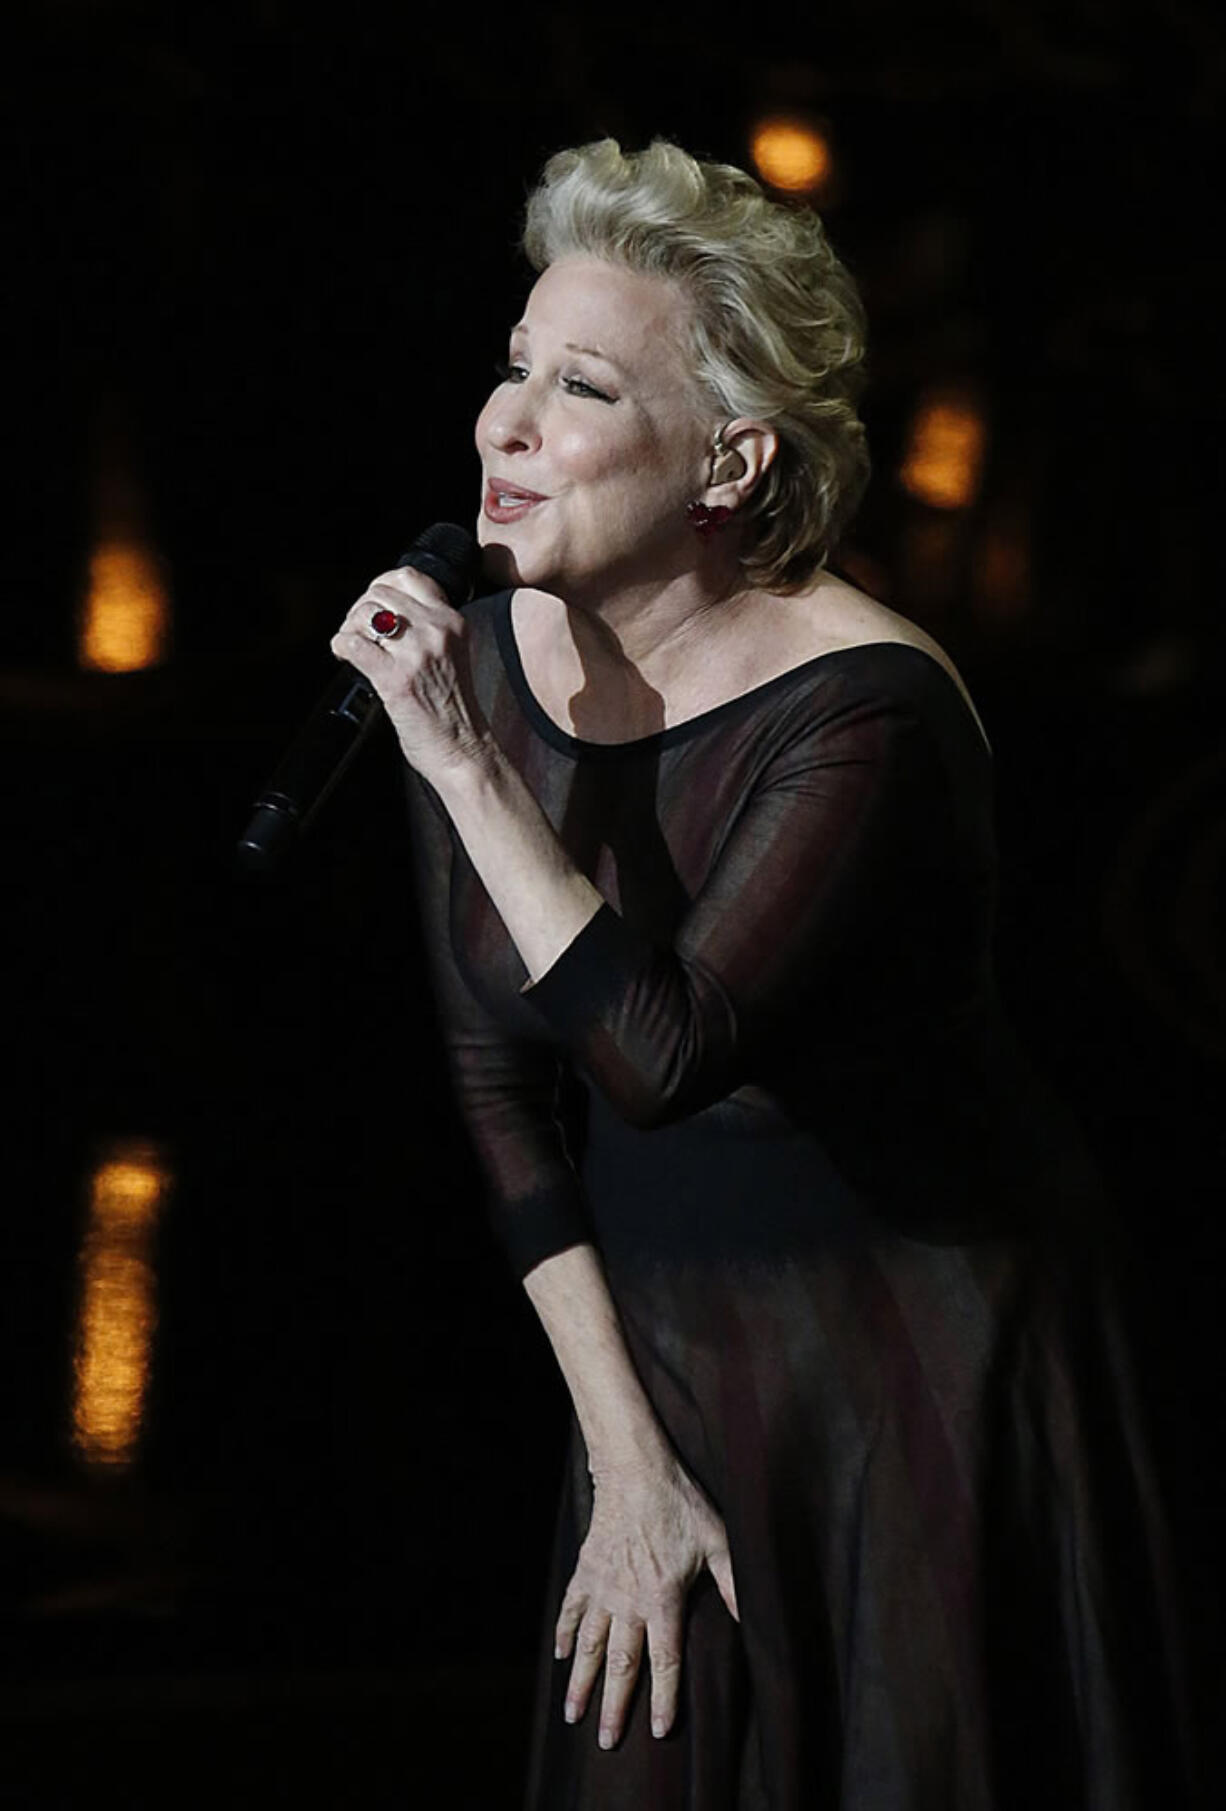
705 856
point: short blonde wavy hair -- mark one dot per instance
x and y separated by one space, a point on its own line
777 325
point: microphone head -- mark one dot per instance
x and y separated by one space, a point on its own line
450 556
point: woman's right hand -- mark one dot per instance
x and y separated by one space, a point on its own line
421 673
653 1530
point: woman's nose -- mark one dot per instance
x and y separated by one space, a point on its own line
510 420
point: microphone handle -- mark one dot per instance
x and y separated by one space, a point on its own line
322 751
343 717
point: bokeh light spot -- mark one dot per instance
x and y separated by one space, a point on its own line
125 618
791 154
943 463
117 1303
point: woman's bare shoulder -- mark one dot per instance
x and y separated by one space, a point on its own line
786 630
835 614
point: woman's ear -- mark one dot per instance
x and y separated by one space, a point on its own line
743 453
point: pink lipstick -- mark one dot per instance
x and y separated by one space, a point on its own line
508 502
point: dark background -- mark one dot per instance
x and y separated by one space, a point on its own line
260 266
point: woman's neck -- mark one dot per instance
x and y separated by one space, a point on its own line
618 669
650 628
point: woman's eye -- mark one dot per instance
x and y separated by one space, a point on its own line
514 373
579 386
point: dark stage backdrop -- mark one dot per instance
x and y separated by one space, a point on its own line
260 268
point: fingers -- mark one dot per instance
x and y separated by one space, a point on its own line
593 1633
664 1653
623 1656
409 594
598 1638
618 1645
404 585
430 635
569 1618
415 618
358 647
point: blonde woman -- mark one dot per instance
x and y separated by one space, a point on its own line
705 853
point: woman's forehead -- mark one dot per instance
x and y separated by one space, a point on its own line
608 308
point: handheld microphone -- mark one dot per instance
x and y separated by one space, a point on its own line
343 717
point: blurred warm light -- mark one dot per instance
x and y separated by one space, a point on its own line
125 618
117 1306
791 154
943 463
127 1189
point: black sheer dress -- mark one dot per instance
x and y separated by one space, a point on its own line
855 1247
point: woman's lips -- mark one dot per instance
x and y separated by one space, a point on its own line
508 502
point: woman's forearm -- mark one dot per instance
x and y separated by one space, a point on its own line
618 1423
652 1528
538 892
545 902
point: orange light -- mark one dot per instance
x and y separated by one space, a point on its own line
117 1307
943 464
125 618
792 155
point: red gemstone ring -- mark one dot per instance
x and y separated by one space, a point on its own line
386 625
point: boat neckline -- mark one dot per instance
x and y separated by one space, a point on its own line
672 733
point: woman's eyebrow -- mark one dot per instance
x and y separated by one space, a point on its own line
522 327
593 352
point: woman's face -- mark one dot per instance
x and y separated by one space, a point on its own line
595 441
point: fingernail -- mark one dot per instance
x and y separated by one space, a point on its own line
606 1738
559 1653
658 1726
571 1712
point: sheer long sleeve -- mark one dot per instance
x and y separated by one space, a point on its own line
824 857
508 1089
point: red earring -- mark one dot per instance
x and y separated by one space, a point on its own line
704 519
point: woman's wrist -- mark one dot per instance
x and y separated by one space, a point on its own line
620 1428
474 767
633 1449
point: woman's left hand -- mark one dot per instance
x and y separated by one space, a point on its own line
653 1530
421 673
